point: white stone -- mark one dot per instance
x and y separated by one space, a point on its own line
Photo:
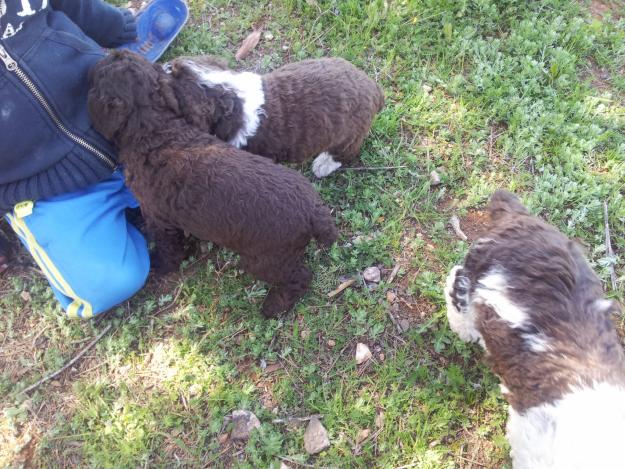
316 437
372 274
362 353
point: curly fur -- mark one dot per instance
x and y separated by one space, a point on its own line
187 179
310 108
527 294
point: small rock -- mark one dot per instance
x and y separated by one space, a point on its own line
244 422
305 334
372 274
391 297
362 435
315 437
426 89
362 353
284 466
435 179
55 384
404 325
268 35
379 419
382 357
25 296
331 343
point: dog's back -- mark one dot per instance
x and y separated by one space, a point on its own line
238 200
316 106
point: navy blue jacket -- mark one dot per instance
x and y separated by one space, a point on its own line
47 144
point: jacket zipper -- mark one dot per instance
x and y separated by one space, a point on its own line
12 66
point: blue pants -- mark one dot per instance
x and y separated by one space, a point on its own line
93 258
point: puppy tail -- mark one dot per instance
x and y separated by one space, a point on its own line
324 228
380 99
504 203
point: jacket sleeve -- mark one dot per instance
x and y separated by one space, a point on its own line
105 24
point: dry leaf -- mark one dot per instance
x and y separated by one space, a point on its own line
248 45
362 435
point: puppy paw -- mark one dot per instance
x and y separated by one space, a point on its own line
459 313
279 301
457 290
324 165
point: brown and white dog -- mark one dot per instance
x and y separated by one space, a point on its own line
528 296
320 109
186 179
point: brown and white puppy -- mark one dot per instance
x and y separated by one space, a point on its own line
319 109
187 179
528 296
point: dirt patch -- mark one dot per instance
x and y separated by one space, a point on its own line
474 224
601 8
475 452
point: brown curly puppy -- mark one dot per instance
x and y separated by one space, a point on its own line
187 179
319 109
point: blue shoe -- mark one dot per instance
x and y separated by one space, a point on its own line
157 25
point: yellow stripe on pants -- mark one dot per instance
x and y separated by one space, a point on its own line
49 269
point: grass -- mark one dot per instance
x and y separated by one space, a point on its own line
527 96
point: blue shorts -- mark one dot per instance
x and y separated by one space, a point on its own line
92 256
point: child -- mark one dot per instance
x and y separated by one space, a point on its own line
60 185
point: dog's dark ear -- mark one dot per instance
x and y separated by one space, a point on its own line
169 93
230 102
504 203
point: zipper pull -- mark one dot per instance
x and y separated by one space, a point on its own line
10 64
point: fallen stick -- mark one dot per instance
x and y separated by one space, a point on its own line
297 419
394 273
608 245
69 363
341 287
371 168
455 224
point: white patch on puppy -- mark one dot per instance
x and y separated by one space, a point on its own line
583 430
537 342
491 290
248 87
462 323
325 164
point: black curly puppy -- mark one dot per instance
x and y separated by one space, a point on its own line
319 109
187 179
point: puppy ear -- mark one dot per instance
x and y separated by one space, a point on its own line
504 203
169 94
230 102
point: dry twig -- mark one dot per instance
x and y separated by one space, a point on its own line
371 168
341 287
455 224
297 419
394 273
69 363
